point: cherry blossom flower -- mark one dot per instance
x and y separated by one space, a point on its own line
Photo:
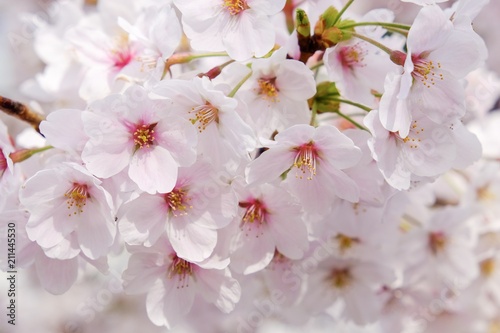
358 69
139 135
432 69
428 151
171 283
354 283
442 249
242 28
155 34
69 212
269 221
223 136
105 55
276 94
313 160
188 214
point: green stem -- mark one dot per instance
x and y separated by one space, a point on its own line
345 101
238 86
342 11
373 42
352 121
380 24
313 115
24 154
398 31
181 58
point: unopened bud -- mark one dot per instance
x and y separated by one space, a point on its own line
24 154
333 36
398 57
329 17
303 24
21 155
326 97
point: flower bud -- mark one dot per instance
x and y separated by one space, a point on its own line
326 97
303 24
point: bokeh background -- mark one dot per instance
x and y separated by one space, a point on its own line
95 303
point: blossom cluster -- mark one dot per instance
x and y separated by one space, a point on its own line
259 160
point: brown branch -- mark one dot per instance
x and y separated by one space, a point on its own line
21 112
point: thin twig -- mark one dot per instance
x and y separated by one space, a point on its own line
21 112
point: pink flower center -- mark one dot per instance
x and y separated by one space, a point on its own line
306 160
340 278
77 197
122 58
121 54
144 136
177 201
346 242
3 163
425 71
351 56
437 242
204 115
181 269
413 140
255 216
234 7
267 88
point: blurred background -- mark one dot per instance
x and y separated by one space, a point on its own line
95 303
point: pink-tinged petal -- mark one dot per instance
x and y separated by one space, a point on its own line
179 137
295 80
362 305
432 154
39 190
205 10
253 249
142 272
296 135
56 276
96 234
237 132
166 31
50 229
343 186
336 148
386 152
63 129
404 85
218 287
394 114
214 210
289 233
429 31
458 55
314 194
469 148
167 305
270 165
266 7
256 31
190 241
153 170
68 248
443 102
109 148
138 217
